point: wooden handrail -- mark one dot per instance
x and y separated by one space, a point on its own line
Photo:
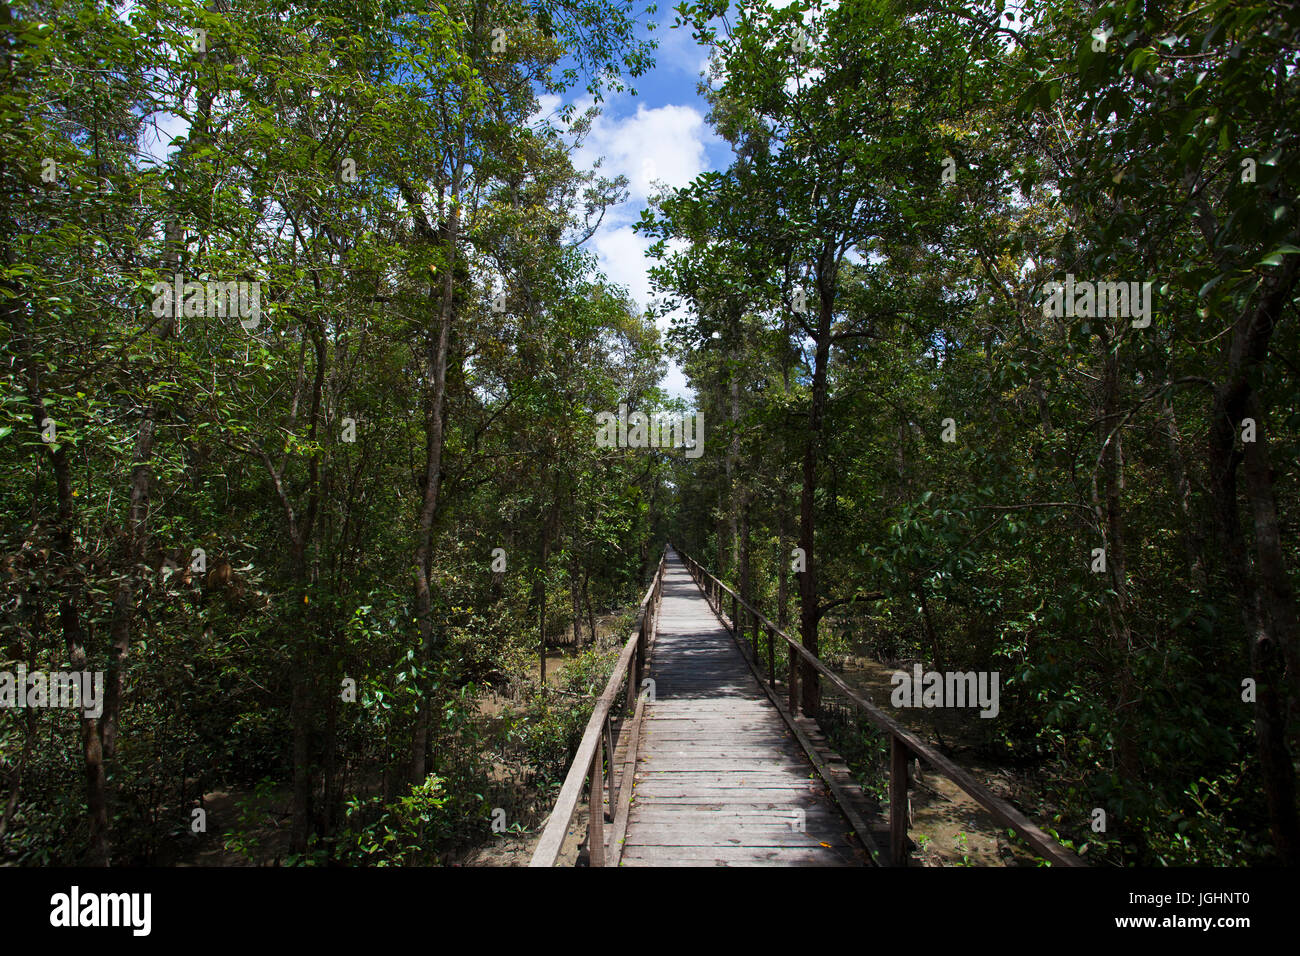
903 743
600 739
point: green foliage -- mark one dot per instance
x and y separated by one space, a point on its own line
949 452
183 432
396 833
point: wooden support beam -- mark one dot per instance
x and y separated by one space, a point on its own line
596 810
1000 809
898 772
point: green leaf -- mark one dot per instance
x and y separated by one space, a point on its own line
1274 258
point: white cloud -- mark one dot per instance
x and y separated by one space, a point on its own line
661 145
158 136
547 105
678 49
664 144
674 383
808 78
622 259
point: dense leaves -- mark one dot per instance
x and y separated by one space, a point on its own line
866 293
276 532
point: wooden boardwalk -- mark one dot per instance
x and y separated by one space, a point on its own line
720 780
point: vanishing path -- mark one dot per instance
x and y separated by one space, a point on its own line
720 779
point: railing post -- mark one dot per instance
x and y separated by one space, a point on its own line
612 786
793 680
753 639
638 669
596 808
897 801
735 621
771 656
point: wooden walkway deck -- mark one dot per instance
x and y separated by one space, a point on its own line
720 780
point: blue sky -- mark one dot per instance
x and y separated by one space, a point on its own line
657 136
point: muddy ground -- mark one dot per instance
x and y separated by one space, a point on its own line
950 828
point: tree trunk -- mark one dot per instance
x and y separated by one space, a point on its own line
575 594
1267 608
1193 536
928 621
97 849
330 784
124 600
303 789
808 611
586 602
302 704
722 537
549 533
745 583
782 564
1117 565
734 502
435 426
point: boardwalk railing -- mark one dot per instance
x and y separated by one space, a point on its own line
903 743
596 750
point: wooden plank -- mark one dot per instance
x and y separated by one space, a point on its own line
596 814
736 856
617 835
719 711
860 825
718 748
710 742
779 797
781 814
719 776
692 728
728 835
1001 810
557 824
757 777
658 763
698 727
779 752
787 818
897 802
730 796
